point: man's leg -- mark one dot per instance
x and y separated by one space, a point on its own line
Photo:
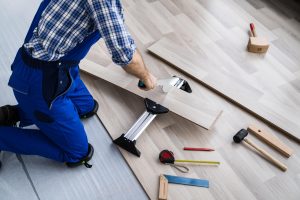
84 102
29 142
61 136
11 115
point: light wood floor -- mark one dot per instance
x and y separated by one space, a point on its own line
243 174
260 83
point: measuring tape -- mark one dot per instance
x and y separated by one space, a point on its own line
167 157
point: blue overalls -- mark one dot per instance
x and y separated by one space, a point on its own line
52 97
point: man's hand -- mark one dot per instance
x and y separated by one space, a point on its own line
137 68
149 82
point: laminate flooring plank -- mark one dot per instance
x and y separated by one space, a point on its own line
215 44
256 91
243 174
150 143
14 183
168 4
195 110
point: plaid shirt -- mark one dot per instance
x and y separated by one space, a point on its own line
65 23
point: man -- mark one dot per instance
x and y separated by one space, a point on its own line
46 81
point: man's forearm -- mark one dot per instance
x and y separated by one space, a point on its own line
137 67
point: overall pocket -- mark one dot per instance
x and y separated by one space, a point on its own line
18 84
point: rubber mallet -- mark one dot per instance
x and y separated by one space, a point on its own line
241 137
257 44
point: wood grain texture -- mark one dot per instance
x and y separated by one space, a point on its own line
262 84
271 140
177 101
263 92
243 174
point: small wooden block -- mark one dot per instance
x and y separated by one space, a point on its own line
163 188
258 45
271 140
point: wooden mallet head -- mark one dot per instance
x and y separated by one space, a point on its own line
239 137
257 44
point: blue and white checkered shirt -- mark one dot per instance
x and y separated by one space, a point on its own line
65 23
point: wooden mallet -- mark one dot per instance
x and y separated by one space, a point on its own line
257 44
241 137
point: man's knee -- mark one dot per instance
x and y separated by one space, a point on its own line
76 153
83 160
92 111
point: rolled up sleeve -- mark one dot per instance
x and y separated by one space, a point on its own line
108 17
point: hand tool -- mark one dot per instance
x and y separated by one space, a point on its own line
165 179
241 137
257 44
187 181
163 188
128 140
197 149
167 157
169 83
271 140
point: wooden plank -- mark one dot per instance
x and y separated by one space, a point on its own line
252 177
242 175
271 140
177 101
235 84
119 109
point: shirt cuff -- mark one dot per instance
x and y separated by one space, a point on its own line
126 57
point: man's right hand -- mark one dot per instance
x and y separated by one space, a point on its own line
137 68
149 82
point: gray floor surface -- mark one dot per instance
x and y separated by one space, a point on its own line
33 177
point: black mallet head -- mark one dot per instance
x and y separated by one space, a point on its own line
240 136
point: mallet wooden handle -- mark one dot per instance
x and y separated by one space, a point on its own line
268 156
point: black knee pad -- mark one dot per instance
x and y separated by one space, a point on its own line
9 115
91 113
84 160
